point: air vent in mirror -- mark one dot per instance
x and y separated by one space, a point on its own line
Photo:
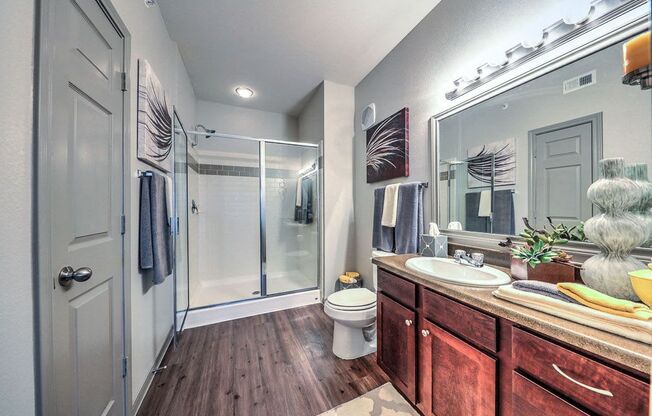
579 82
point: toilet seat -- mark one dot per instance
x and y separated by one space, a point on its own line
358 299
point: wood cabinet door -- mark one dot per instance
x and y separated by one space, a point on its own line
397 344
455 379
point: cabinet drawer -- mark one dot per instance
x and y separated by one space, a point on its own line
398 288
528 398
596 386
470 324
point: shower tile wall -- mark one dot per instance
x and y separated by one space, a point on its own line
229 243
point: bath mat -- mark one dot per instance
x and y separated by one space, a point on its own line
384 400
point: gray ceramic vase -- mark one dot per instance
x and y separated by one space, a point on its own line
639 174
617 231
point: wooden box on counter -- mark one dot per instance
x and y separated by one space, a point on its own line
547 272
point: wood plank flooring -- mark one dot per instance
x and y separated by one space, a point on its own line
279 363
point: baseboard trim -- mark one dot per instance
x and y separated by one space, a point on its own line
222 313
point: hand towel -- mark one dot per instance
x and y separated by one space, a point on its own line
390 205
154 244
382 237
409 218
629 328
542 288
484 207
605 303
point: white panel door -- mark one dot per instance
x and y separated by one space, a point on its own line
85 187
563 174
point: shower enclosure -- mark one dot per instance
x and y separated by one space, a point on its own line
256 209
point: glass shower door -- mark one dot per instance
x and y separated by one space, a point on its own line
291 201
228 228
180 226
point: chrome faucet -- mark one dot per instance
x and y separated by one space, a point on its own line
474 260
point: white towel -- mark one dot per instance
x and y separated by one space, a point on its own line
390 205
626 327
484 207
298 193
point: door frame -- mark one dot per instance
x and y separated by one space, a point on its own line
596 151
42 281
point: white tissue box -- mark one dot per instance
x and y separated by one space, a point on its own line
433 245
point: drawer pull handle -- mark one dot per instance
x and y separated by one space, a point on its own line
408 322
425 332
593 389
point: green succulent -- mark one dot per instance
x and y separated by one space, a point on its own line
534 254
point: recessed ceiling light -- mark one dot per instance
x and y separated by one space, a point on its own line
244 92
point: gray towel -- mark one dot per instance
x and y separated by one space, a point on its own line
542 288
504 212
472 221
383 237
154 243
409 218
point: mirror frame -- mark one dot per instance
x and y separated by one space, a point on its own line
623 25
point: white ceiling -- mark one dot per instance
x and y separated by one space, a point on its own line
283 49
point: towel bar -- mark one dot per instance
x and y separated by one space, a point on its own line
141 173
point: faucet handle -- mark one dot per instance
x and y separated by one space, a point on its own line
459 254
478 258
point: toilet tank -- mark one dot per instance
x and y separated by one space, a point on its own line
374 254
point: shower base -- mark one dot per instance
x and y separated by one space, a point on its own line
214 292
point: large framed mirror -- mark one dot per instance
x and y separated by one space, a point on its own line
524 151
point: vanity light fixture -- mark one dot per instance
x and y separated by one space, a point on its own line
244 92
578 18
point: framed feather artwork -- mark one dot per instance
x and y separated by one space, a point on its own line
388 148
154 120
479 165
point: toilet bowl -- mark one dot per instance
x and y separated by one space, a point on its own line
354 313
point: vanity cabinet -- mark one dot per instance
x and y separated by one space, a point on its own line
451 359
396 341
454 377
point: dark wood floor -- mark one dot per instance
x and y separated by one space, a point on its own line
279 363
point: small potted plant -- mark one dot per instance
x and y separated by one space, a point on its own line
539 259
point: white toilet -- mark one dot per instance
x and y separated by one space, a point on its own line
354 313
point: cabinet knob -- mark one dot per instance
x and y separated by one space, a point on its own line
408 322
425 332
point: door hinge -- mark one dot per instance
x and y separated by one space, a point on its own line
123 81
125 366
123 224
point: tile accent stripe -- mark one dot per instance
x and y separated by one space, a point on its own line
248 171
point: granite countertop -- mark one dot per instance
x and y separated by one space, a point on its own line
630 353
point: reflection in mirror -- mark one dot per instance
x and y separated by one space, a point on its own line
528 155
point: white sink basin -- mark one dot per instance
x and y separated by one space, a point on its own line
448 271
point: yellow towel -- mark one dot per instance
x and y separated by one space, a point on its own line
601 302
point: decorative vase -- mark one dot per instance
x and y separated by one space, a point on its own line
616 231
638 173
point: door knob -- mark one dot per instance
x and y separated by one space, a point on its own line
408 322
425 332
67 275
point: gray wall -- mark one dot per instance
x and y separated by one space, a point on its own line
16 231
311 118
151 314
246 122
456 36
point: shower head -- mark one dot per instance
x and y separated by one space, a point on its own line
207 130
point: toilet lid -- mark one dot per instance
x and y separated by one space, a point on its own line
352 298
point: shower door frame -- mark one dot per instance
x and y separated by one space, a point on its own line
262 143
